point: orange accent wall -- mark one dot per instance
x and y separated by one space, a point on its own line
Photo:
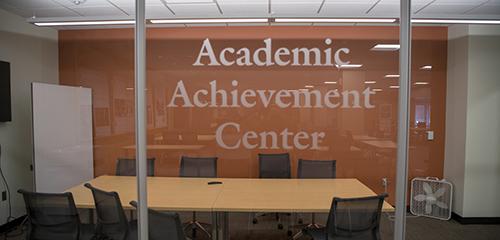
360 139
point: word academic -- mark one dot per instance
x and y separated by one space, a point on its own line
264 56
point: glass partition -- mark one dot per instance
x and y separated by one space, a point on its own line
316 84
243 95
96 55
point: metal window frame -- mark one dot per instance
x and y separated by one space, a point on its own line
403 118
140 118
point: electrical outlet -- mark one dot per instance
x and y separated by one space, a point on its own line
384 182
4 196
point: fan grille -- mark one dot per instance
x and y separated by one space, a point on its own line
431 198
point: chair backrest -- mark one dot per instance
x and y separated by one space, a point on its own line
163 225
317 169
111 219
198 167
274 165
51 215
126 167
355 218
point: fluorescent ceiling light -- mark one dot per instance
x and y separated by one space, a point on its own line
421 83
308 86
330 82
350 66
335 20
377 90
370 82
392 75
394 86
84 23
426 67
457 21
386 47
212 20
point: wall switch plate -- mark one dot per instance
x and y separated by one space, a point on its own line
430 135
4 196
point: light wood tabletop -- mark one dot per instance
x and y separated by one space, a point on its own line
172 194
234 195
288 195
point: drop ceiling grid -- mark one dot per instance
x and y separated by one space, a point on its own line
250 8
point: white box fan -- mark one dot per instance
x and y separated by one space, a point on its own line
431 197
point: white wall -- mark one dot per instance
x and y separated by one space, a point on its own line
472 155
33 55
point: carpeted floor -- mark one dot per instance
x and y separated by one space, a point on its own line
418 228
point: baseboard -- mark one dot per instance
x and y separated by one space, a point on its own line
12 224
475 220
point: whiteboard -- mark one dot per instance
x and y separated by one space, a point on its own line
62 137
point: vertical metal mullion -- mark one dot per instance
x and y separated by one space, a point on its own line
140 118
403 118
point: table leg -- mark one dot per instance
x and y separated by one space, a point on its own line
225 227
215 226
91 215
223 230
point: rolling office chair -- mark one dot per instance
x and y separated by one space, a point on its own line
202 168
274 166
352 218
126 167
54 216
111 220
314 169
163 225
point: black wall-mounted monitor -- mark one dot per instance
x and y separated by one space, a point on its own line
5 105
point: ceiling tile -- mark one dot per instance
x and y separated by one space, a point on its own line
86 3
158 12
195 10
385 10
101 11
289 8
446 9
490 8
244 8
54 12
30 4
345 8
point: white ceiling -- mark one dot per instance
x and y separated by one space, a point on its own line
118 9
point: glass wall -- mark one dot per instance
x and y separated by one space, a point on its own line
241 96
233 91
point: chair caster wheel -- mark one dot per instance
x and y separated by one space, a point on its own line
254 221
280 226
301 221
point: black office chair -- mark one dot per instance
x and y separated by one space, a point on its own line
163 225
54 216
198 167
314 169
274 166
126 167
111 220
352 218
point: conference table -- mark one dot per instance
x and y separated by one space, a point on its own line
233 195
